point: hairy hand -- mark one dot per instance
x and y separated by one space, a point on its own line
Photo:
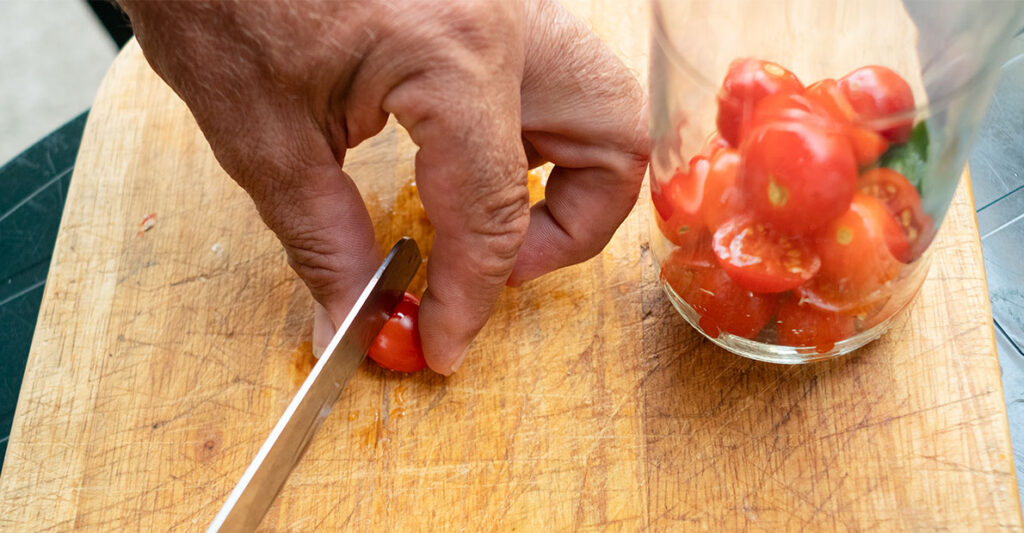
486 89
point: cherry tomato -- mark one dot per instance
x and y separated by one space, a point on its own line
783 108
725 306
904 203
761 259
678 269
867 145
803 325
679 203
747 81
797 176
722 199
714 145
876 93
859 251
397 346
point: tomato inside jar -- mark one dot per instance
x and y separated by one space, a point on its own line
791 225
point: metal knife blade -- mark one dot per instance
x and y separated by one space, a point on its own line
256 491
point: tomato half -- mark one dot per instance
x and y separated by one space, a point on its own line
867 145
679 267
747 81
858 257
803 325
761 259
797 176
904 203
722 199
397 346
714 145
678 203
725 306
877 92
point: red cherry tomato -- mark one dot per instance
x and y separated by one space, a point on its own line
867 145
679 268
858 253
722 199
397 346
904 203
725 306
803 325
747 81
761 259
678 203
877 92
714 145
797 176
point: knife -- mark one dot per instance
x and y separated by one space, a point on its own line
252 496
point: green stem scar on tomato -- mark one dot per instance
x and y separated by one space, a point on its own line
397 346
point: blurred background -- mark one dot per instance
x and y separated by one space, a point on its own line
53 54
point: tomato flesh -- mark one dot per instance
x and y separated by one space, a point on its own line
796 176
877 92
903 201
748 81
761 259
397 346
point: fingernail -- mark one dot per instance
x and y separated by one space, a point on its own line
458 362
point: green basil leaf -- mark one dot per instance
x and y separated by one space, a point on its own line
911 157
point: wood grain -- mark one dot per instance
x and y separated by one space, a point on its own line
162 359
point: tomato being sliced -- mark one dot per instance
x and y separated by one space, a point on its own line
714 145
867 145
397 346
678 203
725 306
761 259
877 92
722 199
747 81
904 203
858 257
797 176
803 325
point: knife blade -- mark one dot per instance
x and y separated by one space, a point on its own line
268 471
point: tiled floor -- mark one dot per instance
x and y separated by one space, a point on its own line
54 53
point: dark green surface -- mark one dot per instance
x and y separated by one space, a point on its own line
33 187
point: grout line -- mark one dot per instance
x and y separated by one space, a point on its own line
1008 338
24 291
1003 197
41 188
1002 227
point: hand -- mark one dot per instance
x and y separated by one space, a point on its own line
486 89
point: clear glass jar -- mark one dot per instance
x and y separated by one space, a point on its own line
804 153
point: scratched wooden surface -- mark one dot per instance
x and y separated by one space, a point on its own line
162 359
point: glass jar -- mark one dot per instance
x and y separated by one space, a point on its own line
804 154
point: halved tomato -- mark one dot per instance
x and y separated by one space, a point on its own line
748 81
722 199
904 203
761 259
678 203
867 145
800 324
725 306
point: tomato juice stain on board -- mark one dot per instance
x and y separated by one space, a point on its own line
397 412
371 434
400 395
301 363
353 415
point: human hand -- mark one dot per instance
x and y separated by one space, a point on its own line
485 88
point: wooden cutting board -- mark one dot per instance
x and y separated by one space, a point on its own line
162 358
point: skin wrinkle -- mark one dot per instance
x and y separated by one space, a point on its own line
486 88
